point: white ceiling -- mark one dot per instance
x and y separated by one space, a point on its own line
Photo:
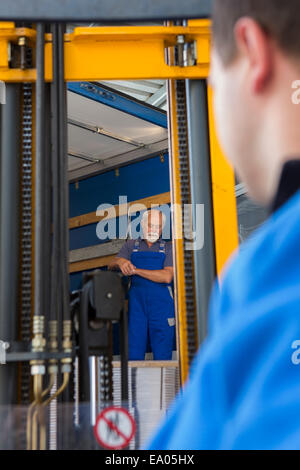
150 91
127 138
101 137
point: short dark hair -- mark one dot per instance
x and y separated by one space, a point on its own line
278 18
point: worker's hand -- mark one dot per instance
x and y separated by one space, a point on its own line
127 268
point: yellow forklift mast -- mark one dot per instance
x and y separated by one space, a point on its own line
37 59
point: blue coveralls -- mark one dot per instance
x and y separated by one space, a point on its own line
151 309
244 387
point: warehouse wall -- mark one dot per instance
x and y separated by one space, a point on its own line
136 181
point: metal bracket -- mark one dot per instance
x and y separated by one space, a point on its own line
127 52
3 347
186 52
20 352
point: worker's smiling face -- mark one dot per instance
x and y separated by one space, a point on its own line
152 226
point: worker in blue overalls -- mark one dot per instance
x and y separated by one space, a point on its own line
244 386
148 261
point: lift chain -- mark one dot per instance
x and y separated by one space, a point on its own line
105 380
185 200
26 242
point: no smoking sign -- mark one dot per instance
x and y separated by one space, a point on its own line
114 428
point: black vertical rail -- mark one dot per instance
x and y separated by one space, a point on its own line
201 193
83 355
136 414
47 209
124 359
48 203
0 162
55 310
124 355
55 297
64 187
66 417
39 173
55 183
9 236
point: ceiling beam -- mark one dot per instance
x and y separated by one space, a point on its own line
159 97
103 10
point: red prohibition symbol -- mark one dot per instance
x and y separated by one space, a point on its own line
114 428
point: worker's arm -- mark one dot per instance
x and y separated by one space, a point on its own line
162 276
123 264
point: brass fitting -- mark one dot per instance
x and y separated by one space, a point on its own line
38 343
22 41
67 346
53 344
37 368
67 332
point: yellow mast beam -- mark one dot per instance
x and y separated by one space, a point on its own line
112 53
224 199
140 53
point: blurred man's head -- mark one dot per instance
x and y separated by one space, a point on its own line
255 60
152 224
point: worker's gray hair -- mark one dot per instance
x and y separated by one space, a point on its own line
146 216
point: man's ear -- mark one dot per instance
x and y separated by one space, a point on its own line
254 45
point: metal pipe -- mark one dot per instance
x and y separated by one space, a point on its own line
124 355
93 389
38 416
32 406
84 386
201 193
42 412
55 271
29 425
39 173
64 384
9 235
37 384
38 342
64 185
47 211
56 275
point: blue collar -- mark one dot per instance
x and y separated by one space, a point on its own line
162 245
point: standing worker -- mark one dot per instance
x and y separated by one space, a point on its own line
244 386
149 262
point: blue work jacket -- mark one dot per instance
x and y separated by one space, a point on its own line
244 385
